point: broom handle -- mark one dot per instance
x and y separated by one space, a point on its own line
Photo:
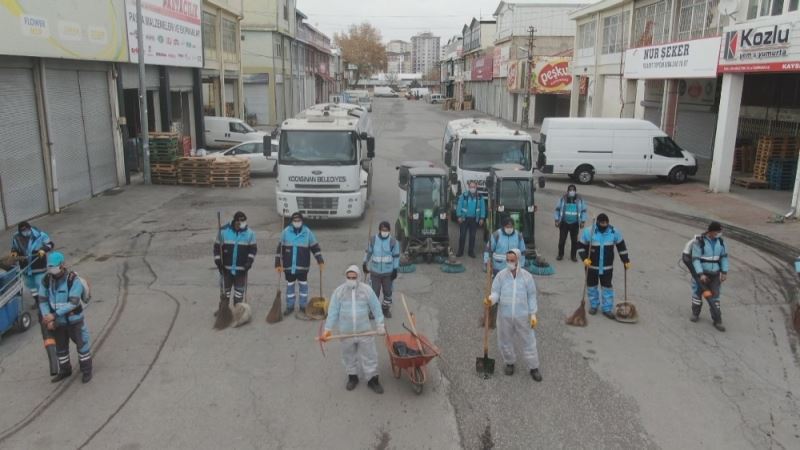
588 255
626 285
221 255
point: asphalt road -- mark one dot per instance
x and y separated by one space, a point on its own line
165 379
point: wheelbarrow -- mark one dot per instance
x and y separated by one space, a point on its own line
12 314
410 352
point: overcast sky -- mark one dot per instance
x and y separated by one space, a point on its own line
401 19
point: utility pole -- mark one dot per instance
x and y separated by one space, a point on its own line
531 33
142 94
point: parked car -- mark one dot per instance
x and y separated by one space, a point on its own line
253 151
434 98
585 147
223 132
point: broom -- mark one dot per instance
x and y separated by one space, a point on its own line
578 318
275 313
224 313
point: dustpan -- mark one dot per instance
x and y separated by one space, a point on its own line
626 312
317 308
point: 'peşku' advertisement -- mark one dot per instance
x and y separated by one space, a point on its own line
172 32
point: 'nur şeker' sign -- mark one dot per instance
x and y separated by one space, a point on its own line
551 76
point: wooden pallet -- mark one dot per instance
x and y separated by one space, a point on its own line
750 183
770 147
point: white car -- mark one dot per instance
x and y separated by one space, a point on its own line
254 151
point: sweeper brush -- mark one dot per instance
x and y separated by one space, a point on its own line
539 266
452 265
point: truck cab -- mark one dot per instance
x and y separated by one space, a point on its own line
325 162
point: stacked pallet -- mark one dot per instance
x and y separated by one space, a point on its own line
195 171
743 158
164 173
773 148
164 147
781 174
230 171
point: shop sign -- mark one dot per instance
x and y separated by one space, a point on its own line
482 68
688 59
551 75
172 32
500 61
513 79
772 45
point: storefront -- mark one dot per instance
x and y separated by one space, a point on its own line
551 83
676 88
760 93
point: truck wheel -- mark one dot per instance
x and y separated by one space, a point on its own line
678 175
584 174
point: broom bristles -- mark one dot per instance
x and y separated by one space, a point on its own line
578 318
275 313
224 316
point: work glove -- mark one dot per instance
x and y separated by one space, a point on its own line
51 325
534 321
394 274
703 279
556 224
321 266
487 301
326 336
364 268
381 329
279 269
248 266
41 253
627 265
480 223
460 220
723 277
587 262
14 254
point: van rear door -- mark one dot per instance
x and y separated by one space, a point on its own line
632 151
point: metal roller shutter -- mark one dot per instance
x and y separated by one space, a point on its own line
256 102
96 108
695 132
180 78
24 190
69 140
653 115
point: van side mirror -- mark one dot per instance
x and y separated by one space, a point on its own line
448 146
370 147
274 133
541 182
448 158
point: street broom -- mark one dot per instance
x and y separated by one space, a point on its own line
224 314
275 313
626 312
578 318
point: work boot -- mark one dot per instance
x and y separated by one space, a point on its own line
694 318
719 326
375 385
459 253
289 311
509 369
387 312
559 257
610 315
87 376
61 375
303 310
574 259
536 375
352 382
593 310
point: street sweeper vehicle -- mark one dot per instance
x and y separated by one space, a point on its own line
422 225
325 162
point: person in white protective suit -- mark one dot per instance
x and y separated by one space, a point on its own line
351 304
514 289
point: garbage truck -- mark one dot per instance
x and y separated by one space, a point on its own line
325 162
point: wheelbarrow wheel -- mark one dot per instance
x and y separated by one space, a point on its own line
417 382
24 321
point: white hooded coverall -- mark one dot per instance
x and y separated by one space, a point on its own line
517 298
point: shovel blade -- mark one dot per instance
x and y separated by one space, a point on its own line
484 365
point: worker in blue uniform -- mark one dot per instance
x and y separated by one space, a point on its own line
502 241
234 257
471 213
29 245
381 260
293 258
597 251
710 262
570 216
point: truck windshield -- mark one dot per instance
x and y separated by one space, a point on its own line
315 147
515 195
481 154
426 193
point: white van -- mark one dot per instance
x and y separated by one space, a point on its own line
225 132
584 147
384 91
434 98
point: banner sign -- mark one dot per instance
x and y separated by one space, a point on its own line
551 75
172 32
688 59
500 69
771 45
482 69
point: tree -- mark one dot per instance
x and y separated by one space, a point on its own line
392 79
361 46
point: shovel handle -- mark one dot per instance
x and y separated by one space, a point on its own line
486 313
345 336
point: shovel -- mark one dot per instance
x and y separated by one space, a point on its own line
626 311
485 365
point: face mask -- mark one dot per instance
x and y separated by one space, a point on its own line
719 235
571 194
508 230
297 224
511 266
55 271
352 283
384 234
602 227
473 190
26 233
242 225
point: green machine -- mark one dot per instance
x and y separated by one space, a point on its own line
422 225
511 190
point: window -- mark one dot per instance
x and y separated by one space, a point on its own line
229 41
480 154
665 146
793 5
248 149
651 23
777 7
209 35
587 35
285 11
312 147
696 19
240 127
615 33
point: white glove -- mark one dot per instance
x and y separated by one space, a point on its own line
381 329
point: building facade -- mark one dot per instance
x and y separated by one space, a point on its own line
222 68
424 53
